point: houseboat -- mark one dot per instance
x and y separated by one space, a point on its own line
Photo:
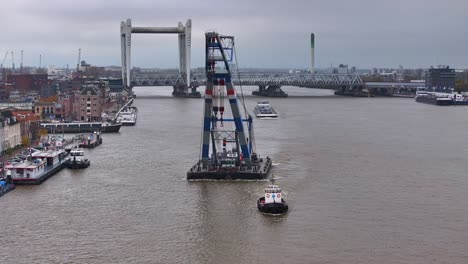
39 166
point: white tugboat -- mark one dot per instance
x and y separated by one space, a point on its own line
272 202
77 159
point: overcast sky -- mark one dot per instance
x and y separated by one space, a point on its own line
272 34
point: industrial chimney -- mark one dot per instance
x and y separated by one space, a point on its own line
312 45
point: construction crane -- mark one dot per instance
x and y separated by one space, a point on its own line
21 63
4 59
12 62
1 66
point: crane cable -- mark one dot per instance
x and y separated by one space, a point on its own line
240 81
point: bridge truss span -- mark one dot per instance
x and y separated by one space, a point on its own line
326 81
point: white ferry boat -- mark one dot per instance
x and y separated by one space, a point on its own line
38 167
128 116
264 109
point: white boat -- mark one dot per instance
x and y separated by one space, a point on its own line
264 109
128 116
38 167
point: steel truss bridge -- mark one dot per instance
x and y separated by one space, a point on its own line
325 81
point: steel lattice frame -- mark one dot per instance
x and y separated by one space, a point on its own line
254 78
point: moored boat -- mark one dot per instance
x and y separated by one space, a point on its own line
72 127
110 127
91 140
272 202
77 159
128 116
40 166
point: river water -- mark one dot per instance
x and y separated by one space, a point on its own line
368 180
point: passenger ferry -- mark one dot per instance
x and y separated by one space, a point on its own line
272 202
264 109
128 116
38 167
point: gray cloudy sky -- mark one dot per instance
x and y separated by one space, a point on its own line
273 34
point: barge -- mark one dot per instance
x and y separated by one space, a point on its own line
80 127
441 98
72 127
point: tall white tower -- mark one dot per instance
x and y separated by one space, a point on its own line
312 59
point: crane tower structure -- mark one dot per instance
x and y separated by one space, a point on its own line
228 147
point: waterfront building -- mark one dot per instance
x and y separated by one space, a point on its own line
88 103
11 130
29 125
441 78
66 102
45 109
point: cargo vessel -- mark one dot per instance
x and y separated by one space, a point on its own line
80 127
441 98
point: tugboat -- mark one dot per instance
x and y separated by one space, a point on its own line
272 202
77 160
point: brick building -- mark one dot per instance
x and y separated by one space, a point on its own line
88 103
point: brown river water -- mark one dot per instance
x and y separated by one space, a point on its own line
368 180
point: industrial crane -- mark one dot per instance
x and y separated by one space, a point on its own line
4 59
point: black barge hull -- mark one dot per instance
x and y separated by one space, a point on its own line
111 128
261 172
71 127
433 100
272 208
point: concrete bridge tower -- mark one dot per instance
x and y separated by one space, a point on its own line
185 43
